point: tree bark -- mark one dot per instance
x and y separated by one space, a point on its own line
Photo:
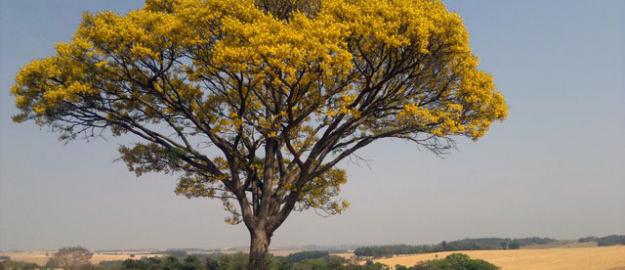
259 247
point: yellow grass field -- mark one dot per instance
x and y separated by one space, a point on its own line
39 257
583 258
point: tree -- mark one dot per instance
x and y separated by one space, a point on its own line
71 258
212 263
304 255
455 261
192 263
256 102
514 245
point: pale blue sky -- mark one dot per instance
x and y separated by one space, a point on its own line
554 168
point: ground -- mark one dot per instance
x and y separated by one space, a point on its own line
41 256
569 257
582 258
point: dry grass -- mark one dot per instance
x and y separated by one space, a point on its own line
344 255
38 257
583 258
41 257
100 257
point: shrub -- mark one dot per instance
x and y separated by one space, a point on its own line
71 258
455 261
19 265
300 256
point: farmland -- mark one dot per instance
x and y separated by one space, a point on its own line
41 256
570 256
586 258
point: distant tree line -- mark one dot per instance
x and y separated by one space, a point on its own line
464 244
306 255
609 240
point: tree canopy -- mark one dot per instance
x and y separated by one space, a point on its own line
464 244
456 261
255 102
71 258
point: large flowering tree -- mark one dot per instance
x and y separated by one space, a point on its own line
255 102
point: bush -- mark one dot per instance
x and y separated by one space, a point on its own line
324 263
300 256
71 258
171 263
19 265
110 265
455 261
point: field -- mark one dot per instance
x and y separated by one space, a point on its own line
575 257
41 257
581 258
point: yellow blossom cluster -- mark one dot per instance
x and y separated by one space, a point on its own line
316 82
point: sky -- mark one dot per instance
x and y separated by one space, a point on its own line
554 168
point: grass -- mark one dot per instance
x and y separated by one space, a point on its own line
40 257
586 258
559 258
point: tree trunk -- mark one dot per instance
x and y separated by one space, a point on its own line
259 247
